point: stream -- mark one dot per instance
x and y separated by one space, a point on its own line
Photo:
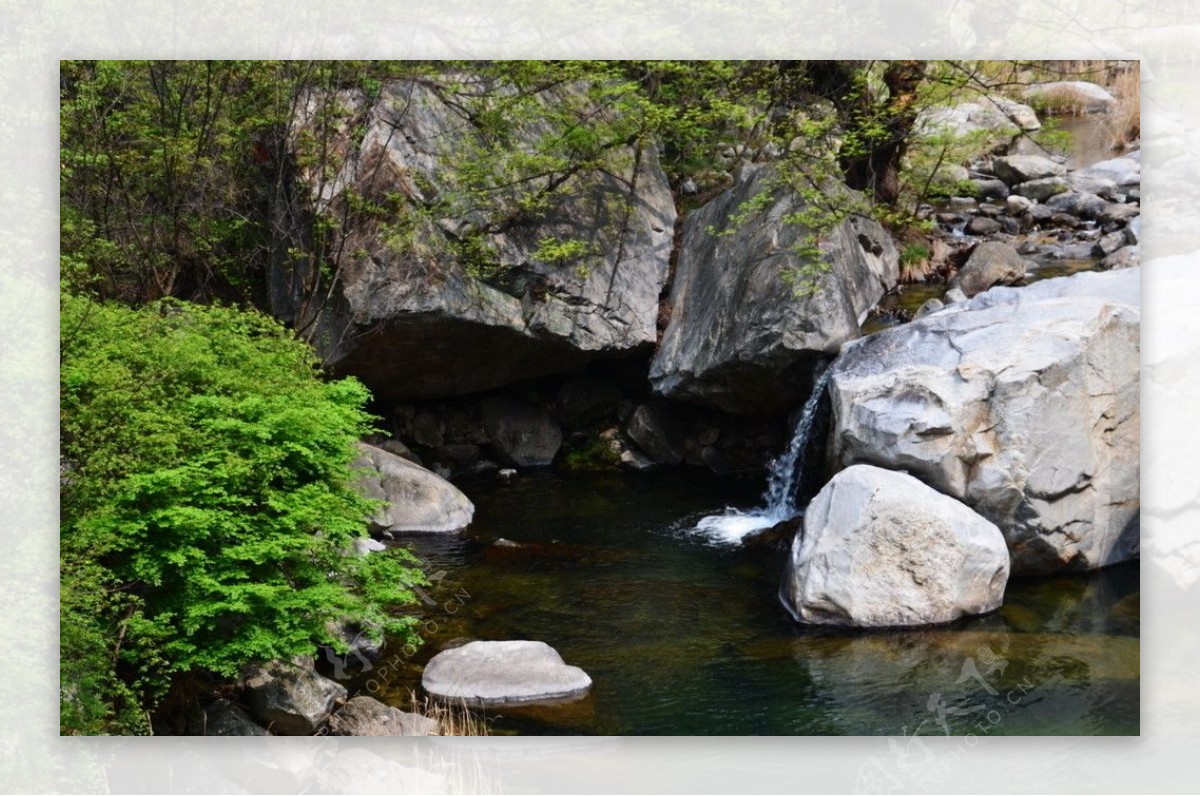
685 635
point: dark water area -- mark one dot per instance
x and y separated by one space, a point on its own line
682 635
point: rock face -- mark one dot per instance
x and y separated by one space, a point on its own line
364 715
739 338
417 500
523 434
881 549
289 699
1021 403
990 264
484 673
437 306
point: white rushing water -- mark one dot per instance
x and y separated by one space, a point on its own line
783 480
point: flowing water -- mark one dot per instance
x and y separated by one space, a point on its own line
783 480
682 635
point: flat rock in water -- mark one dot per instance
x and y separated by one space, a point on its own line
486 673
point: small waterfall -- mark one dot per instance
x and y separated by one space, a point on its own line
782 483
785 473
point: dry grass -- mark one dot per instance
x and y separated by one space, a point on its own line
1125 118
454 719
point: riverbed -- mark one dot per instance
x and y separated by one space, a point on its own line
684 635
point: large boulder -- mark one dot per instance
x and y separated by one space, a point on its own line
414 498
290 699
496 673
740 337
990 264
1016 169
439 294
1070 97
881 549
1022 403
523 434
364 715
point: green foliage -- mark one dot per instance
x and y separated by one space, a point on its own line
207 508
595 454
914 253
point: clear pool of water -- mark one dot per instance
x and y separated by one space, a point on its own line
683 634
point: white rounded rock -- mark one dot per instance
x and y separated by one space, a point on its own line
881 549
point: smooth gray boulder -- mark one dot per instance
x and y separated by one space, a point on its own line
881 549
467 299
415 499
1022 403
496 673
1016 169
991 263
289 699
1070 97
223 717
740 338
367 716
522 433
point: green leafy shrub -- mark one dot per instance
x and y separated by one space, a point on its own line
207 505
